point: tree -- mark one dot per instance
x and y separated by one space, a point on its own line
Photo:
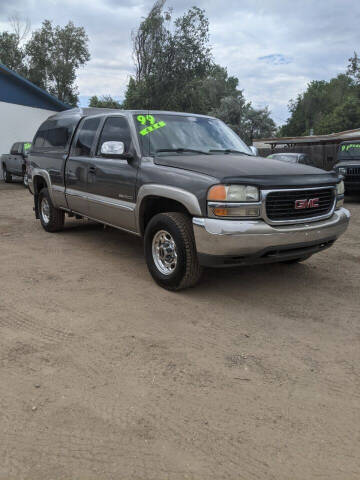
11 53
54 54
174 70
106 101
247 122
259 124
50 58
345 116
354 68
171 60
311 108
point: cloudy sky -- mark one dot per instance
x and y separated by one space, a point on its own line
274 47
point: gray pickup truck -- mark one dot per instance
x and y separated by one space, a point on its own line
185 183
348 165
15 163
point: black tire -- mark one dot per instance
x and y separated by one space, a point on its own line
7 175
187 271
53 221
296 260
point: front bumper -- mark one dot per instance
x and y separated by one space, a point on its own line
232 242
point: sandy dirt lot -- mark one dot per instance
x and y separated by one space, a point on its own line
253 375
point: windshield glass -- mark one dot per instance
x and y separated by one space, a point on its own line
348 151
162 134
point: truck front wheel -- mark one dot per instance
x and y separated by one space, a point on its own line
170 251
51 218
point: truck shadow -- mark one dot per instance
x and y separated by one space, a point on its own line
353 198
239 282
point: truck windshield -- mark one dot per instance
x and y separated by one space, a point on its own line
162 134
347 151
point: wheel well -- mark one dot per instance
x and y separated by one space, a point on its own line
39 183
151 206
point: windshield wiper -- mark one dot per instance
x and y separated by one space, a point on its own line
181 150
230 150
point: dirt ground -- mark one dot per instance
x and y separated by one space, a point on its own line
253 375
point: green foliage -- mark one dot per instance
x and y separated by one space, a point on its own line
327 107
106 101
50 58
354 68
54 54
172 58
174 70
247 122
345 116
11 53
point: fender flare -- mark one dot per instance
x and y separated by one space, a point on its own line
38 172
186 198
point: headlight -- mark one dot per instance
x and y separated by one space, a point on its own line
233 201
340 188
233 193
342 170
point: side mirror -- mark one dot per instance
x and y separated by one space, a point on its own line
113 149
254 151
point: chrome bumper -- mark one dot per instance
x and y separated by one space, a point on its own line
251 237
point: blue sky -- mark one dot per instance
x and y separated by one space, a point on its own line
274 48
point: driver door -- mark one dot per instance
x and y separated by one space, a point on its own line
111 181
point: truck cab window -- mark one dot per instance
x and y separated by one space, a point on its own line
54 134
86 137
14 149
115 129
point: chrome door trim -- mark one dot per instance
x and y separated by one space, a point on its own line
113 202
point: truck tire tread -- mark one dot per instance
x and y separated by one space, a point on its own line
191 270
57 216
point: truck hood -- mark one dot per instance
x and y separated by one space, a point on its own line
266 172
344 163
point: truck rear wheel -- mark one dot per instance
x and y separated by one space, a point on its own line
170 251
7 175
51 218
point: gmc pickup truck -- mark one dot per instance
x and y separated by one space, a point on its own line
348 165
185 183
15 162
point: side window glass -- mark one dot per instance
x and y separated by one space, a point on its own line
14 149
116 129
86 137
39 139
54 134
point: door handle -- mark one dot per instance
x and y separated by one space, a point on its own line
92 170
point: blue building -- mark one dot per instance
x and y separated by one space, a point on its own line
23 107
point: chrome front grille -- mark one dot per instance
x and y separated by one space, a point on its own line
296 205
353 171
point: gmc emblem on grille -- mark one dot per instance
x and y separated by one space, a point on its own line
307 203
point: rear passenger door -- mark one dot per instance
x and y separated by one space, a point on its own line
77 165
111 181
19 159
11 161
